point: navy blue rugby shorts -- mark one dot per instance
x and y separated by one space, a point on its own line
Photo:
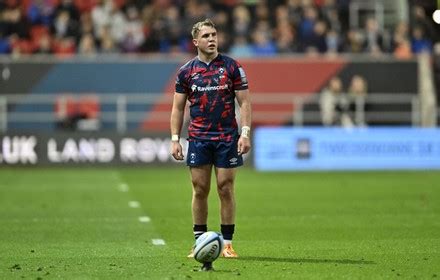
220 154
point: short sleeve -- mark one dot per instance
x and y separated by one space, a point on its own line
181 85
239 77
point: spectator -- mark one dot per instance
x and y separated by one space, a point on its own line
107 44
419 42
403 49
195 11
286 38
374 39
69 7
317 40
87 27
295 10
101 16
221 21
87 45
307 25
5 45
330 14
357 93
134 36
44 45
262 40
117 24
240 47
241 19
261 13
332 41
281 15
168 28
334 104
65 27
222 41
420 19
401 32
353 42
40 12
152 28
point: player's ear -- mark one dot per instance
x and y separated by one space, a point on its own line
195 42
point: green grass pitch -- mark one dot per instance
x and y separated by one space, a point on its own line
78 224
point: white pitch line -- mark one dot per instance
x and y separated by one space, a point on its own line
123 187
134 204
158 242
144 219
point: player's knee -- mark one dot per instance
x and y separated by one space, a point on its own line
200 191
225 188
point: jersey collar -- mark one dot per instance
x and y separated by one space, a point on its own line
209 63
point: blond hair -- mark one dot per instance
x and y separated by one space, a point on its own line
198 25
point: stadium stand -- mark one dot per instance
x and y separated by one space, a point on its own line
311 29
259 27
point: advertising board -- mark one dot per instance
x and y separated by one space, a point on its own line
346 149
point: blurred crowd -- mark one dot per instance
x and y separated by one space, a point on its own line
245 28
344 107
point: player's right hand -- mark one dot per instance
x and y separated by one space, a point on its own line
244 145
176 150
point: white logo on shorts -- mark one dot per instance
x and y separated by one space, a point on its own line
192 157
233 161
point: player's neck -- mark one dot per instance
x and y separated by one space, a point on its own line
207 58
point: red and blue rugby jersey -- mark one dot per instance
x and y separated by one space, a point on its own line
210 89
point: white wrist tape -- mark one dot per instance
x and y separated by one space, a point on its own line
175 138
245 131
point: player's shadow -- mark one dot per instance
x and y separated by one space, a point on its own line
304 260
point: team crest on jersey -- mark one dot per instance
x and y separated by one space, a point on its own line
193 88
221 70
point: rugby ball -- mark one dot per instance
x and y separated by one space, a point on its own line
208 247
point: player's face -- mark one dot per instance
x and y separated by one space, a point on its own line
206 41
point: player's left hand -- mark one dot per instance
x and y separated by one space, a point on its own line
244 145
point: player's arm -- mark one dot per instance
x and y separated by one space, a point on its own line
177 115
244 101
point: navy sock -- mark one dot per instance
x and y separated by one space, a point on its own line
199 230
227 231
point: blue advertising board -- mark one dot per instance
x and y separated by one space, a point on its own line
278 148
